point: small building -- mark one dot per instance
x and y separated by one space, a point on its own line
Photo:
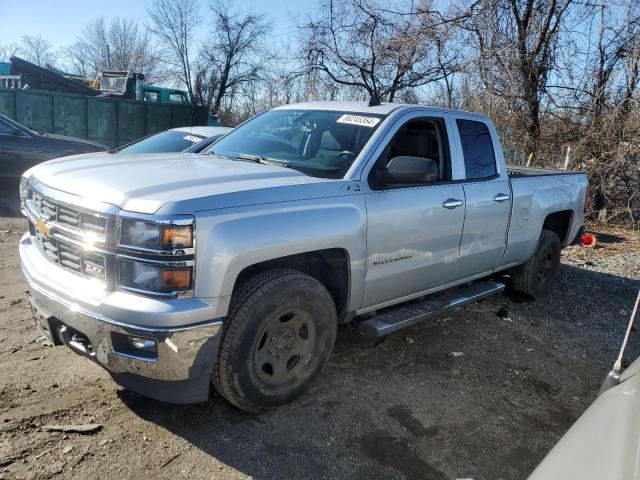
7 80
29 75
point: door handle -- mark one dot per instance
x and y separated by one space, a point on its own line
502 197
452 203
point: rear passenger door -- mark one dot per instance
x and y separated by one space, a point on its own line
487 194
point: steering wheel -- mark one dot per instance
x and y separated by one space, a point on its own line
347 154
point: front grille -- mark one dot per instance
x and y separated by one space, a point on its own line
70 227
84 241
46 207
73 220
72 257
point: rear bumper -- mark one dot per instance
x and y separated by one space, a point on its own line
178 370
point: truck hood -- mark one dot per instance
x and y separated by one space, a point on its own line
179 182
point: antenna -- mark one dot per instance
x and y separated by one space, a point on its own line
613 377
374 101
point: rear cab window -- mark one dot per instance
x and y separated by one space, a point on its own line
477 149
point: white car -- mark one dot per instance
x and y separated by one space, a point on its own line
182 139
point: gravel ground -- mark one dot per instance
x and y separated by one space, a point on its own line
402 407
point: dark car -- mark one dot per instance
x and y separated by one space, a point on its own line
22 148
182 139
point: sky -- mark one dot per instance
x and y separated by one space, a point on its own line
61 21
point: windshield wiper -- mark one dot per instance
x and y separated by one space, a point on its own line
260 159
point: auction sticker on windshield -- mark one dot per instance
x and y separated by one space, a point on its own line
358 120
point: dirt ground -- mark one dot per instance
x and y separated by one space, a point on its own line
403 407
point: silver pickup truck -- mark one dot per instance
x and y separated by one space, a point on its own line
233 268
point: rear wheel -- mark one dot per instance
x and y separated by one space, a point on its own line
277 337
536 277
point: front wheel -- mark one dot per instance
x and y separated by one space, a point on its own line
277 338
536 277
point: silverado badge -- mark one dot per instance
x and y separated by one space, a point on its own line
43 228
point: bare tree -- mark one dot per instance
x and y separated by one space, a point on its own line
78 59
611 155
364 44
121 44
38 50
174 24
616 41
232 57
517 41
631 64
8 50
608 126
632 76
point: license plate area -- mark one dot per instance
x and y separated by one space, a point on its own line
44 322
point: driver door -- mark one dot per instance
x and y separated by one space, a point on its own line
413 231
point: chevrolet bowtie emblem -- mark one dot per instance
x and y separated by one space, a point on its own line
43 228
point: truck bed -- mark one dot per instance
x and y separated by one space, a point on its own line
536 193
516 171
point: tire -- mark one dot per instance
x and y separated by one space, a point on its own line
536 277
276 339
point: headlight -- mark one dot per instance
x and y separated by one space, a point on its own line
155 236
154 278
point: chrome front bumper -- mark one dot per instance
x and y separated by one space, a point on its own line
180 369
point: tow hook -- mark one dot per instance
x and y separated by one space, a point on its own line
76 342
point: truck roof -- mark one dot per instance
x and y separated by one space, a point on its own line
385 108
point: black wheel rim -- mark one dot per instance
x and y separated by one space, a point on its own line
545 267
284 347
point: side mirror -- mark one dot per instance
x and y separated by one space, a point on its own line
406 169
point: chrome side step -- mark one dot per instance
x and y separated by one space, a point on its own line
405 315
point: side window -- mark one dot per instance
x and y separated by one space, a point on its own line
151 96
477 149
425 141
177 97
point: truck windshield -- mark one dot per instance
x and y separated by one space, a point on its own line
316 142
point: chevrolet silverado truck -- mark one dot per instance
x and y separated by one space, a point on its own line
234 267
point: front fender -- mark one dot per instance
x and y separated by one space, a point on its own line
230 240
